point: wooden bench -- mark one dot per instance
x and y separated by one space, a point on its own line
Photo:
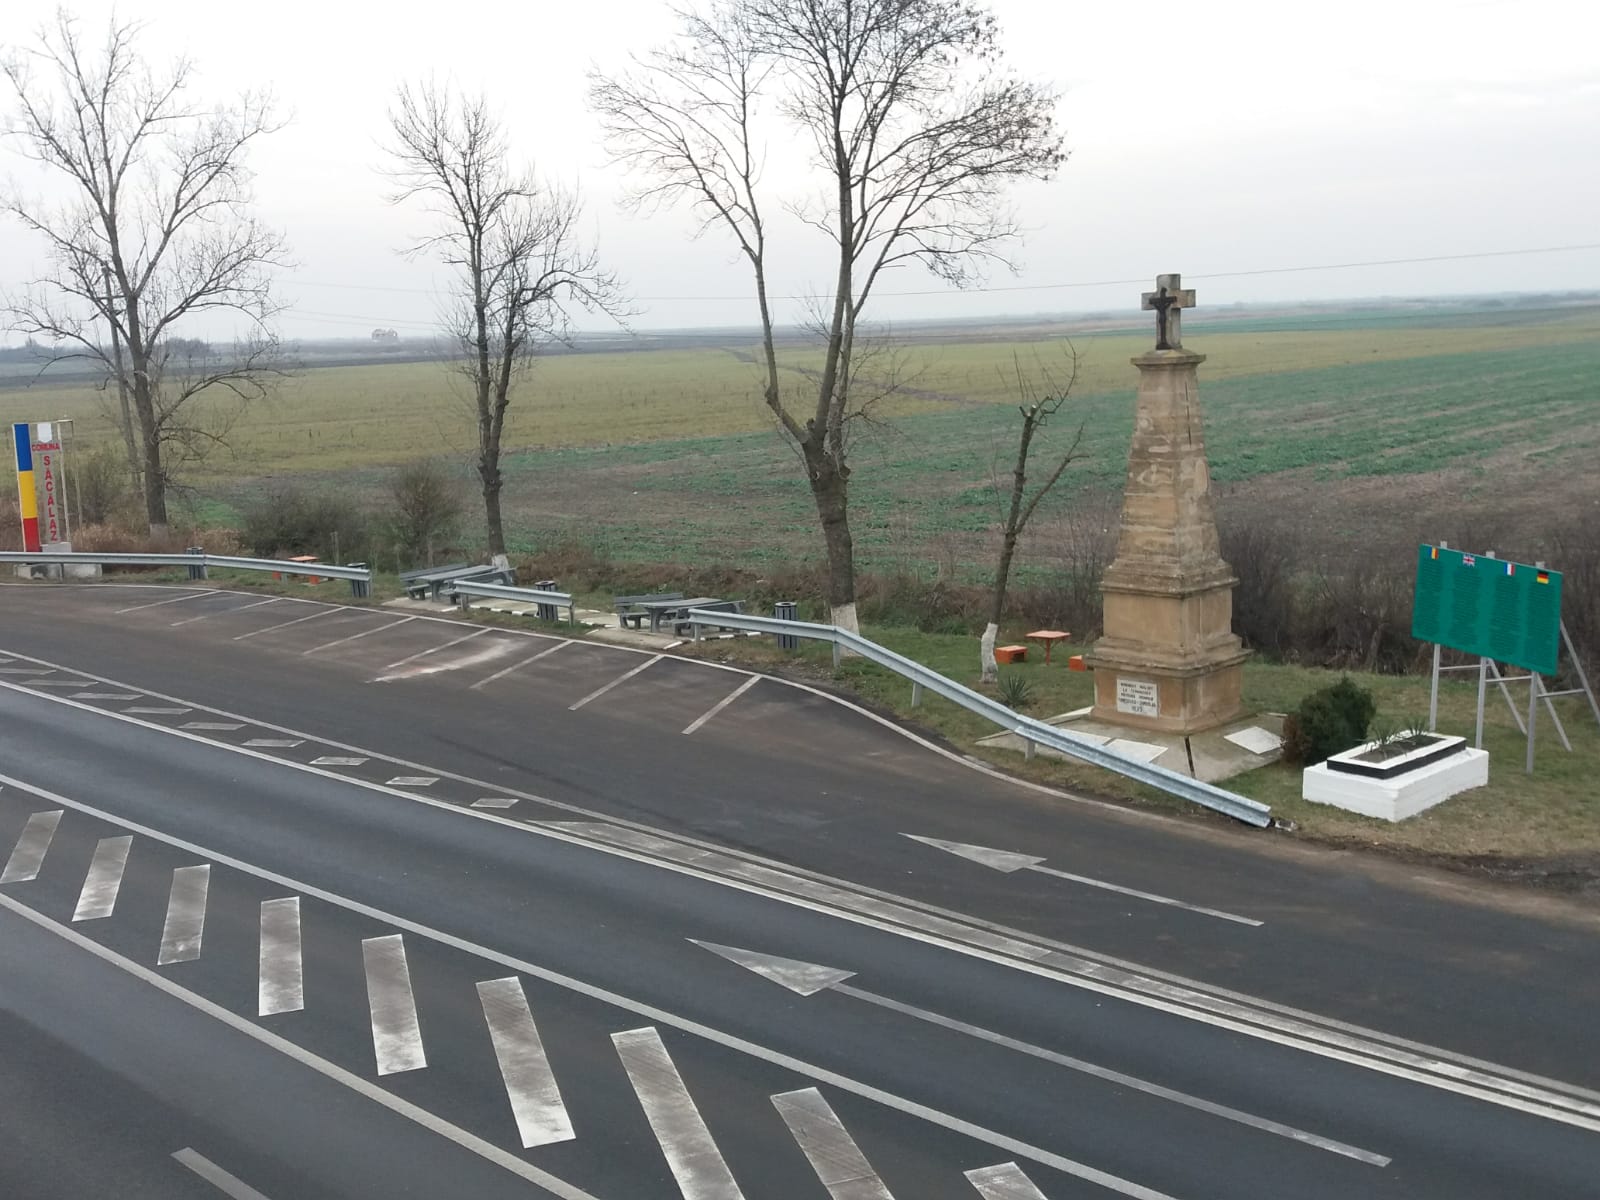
1010 654
630 615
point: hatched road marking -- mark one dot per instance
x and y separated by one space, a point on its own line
691 1152
104 880
530 1084
396 1033
27 856
281 986
186 915
827 1144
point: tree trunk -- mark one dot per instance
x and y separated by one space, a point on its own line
991 670
830 489
155 484
490 474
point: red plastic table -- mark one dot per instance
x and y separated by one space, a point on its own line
1049 637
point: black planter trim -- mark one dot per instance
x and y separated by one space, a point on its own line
1350 766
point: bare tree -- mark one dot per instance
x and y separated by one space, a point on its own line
1036 410
513 240
156 233
911 122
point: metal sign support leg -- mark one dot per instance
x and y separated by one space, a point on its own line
1533 713
1433 693
1583 679
1483 689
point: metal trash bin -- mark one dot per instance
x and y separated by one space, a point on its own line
197 570
786 610
545 611
360 589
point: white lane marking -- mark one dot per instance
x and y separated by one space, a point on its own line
321 612
412 781
396 1032
1003 1181
27 856
1150 987
104 880
647 1011
466 637
624 677
1128 1081
158 712
335 760
347 1079
172 600
280 984
59 683
1007 861
828 1146
691 1153
518 665
275 743
530 1083
229 1185
23 670
217 726
723 703
356 637
227 611
186 915
494 802
105 695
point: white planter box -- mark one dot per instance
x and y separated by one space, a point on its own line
1407 790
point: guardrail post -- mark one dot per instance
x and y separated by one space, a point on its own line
916 693
360 589
1027 748
197 570
837 656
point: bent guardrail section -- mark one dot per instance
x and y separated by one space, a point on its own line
554 601
1241 808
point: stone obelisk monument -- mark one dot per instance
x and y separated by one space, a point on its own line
1169 659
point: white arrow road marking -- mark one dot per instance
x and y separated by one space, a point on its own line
1004 1181
23 670
281 986
186 915
56 683
517 666
623 678
833 1153
104 880
228 1185
1005 860
806 979
696 1163
396 1032
530 1083
27 856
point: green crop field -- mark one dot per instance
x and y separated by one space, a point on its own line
666 454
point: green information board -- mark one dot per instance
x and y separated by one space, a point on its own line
1505 611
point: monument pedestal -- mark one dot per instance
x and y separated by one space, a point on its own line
1169 659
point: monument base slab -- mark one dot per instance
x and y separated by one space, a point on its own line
1401 796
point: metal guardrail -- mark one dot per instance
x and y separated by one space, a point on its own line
359 575
549 603
1241 808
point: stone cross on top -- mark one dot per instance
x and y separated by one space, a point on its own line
1168 300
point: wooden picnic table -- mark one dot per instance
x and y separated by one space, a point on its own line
1049 637
661 610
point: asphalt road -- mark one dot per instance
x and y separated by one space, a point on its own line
517 932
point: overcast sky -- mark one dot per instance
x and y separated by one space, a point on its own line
1211 137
